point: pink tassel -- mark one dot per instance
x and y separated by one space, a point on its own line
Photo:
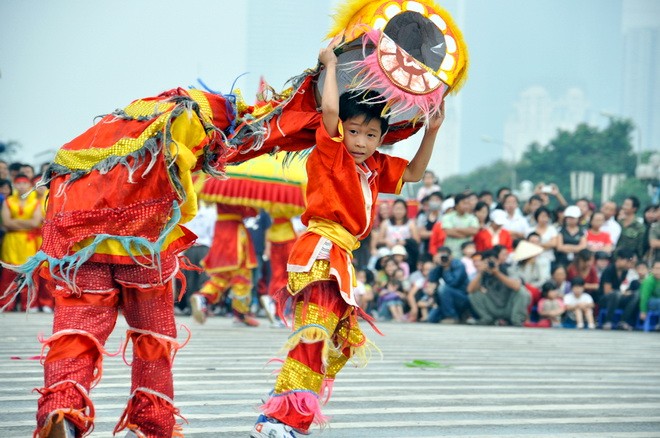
304 402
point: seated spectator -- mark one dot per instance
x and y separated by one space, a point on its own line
400 255
452 292
532 271
496 296
390 301
632 231
551 306
386 272
650 294
598 240
418 297
615 292
494 233
579 305
364 294
468 249
559 276
584 266
572 239
602 262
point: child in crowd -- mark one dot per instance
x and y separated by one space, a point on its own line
399 254
580 305
364 293
559 278
551 306
390 301
642 270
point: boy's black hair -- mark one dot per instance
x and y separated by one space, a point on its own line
352 104
547 287
577 281
466 244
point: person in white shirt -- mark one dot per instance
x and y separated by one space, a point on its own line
515 224
611 226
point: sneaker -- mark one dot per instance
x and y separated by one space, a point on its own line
607 326
47 309
592 326
62 429
579 326
277 324
270 428
33 310
198 306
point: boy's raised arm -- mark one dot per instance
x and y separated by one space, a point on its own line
330 94
420 161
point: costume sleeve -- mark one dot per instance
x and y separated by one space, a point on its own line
327 147
390 173
188 141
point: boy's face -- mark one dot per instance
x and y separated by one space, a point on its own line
577 290
362 139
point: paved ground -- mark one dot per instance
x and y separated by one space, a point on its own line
493 382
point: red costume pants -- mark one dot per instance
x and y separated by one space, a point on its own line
85 315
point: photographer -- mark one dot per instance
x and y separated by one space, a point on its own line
495 295
451 296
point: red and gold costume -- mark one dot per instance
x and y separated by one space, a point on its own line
282 237
321 279
231 258
111 238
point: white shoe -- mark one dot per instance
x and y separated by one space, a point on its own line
47 309
270 428
198 306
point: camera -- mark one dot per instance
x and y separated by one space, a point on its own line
546 189
491 264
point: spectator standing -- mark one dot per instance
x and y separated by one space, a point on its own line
531 206
427 219
611 226
654 238
649 299
615 290
572 238
429 185
632 230
486 196
460 225
586 210
579 305
482 212
494 233
496 296
400 230
547 233
650 217
452 291
598 240
515 224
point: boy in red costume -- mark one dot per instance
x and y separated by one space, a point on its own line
118 196
348 173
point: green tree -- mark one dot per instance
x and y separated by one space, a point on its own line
488 177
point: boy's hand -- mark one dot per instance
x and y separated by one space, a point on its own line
327 56
435 121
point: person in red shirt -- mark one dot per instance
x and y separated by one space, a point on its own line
348 175
493 233
598 240
584 266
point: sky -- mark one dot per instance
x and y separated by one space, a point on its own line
64 62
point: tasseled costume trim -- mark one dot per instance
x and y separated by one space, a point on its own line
154 397
66 268
166 341
305 403
98 366
82 419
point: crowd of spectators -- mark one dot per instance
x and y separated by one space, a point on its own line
495 259
474 258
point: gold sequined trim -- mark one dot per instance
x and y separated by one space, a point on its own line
297 376
315 314
320 271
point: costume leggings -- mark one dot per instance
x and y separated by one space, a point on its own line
325 336
85 315
238 280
